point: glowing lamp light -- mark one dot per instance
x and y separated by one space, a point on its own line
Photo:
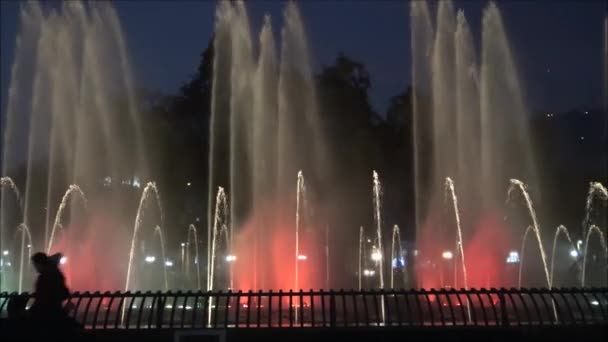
369 273
230 258
302 257
376 256
595 303
183 244
150 259
513 257
447 255
169 263
5 252
574 253
188 184
63 260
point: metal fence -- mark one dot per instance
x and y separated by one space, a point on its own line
369 308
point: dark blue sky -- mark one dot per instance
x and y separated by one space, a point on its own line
558 44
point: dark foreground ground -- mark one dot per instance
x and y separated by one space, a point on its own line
443 334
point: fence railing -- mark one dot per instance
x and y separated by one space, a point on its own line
369 308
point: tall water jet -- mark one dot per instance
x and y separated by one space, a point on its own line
221 228
361 251
158 231
421 48
505 140
72 190
264 113
25 233
451 194
377 203
193 233
517 185
300 203
563 230
7 182
596 189
395 257
593 230
148 191
220 109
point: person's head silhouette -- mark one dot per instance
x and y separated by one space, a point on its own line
43 262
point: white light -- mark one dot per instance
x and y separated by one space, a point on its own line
586 112
169 263
376 256
595 303
63 260
579 244
574 253
369 273
183 244
513 257
8 263
29 246
447 255
168 306
5 252
582 138
188 184
302 257
415 252
136 182
230 258
150 259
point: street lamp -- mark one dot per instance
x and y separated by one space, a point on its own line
169 263
302 257
376 255
230 258
574 253
447 255
63 260
5 252
369 273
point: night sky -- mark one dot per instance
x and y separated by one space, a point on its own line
557 44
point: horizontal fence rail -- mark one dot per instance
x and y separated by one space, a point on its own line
368 308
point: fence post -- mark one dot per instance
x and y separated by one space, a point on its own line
332 309
160 310
504 320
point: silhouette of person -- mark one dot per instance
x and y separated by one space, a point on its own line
50 289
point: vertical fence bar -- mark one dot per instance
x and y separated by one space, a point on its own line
270 308
258 307
323 308
344 311
301 308
312 309
280 308
194 309
291 308
106 318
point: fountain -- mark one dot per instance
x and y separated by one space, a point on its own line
143 201
221 227
158 231
592 229
192 233
72 80
451 193
396 242
560 229
73 189
517 185
361 251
